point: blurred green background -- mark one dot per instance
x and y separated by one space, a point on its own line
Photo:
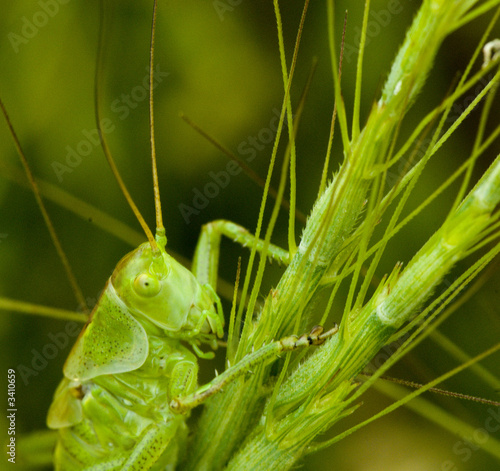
219 64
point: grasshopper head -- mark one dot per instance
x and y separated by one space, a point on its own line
166 293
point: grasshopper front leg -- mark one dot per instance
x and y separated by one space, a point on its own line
266 353
206 257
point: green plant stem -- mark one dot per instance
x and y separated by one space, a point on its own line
337 364
229 418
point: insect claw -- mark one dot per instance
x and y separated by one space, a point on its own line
325 335
316 330
331 332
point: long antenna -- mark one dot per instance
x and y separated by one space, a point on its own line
105 148
161 239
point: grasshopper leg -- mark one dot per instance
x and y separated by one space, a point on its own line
206 257
146 452
151 446
266 353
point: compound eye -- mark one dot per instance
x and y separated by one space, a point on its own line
146 285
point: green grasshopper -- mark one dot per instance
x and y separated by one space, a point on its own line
129 382
128 379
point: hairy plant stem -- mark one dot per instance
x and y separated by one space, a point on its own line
312 398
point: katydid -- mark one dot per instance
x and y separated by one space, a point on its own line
128 377
129 381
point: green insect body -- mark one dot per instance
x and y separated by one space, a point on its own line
128 364
128 382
